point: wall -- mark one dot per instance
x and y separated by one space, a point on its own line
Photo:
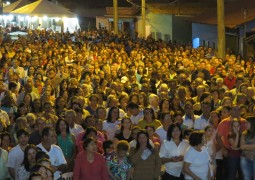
159 25
182 30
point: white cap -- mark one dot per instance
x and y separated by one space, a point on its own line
124 79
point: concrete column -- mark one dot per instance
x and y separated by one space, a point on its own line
221 29
143 18
115 16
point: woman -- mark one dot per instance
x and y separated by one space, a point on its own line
143 100
3 163
28 101
37 107
90 132
28 162
111 124
119 166
248 147
66 142
172 152
164 106
152 136
6 141
234 152
60 106
89 164
196 159
101 113
125 131
149 119
145 159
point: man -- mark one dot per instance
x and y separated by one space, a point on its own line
154 103
189 117
17 68
70 116
28 90
202 121
230 79
136 113
93 104
35 137
16 155
222 135
55 153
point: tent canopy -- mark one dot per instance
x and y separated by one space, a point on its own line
16 5
44 8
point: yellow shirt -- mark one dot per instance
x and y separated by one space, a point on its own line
143 123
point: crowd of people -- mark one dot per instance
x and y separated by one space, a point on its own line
104 107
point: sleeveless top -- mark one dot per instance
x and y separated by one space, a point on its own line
66 144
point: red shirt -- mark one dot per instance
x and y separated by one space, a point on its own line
224 130
84 170
230 83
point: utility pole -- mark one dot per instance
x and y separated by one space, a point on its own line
221 29
143 18
115 16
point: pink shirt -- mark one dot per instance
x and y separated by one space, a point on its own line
96 170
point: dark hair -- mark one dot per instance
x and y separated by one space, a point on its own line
34 174
109 117
132 105
171 129
87 142
207 127
162 102
97 110
251 131
187 132
151 111
12 85
58 129
88 131
21 132
196 138
33 107
43 159
93 95
56 102
161 116
46 131
3 134
107 144
41 155
25 161
122 121
148 140
122 145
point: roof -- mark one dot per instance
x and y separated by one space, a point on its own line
16 5
236 13
44 8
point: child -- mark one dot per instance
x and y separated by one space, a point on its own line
108 148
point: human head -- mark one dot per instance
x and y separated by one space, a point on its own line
143 139
122 148
174 131
196 138
62 125
29 156
113 114
89 145
48 135
23 136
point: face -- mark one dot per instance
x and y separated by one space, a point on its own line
209 132
167 120
92 147
115 113
31 155
62 126
142 139
121 153
23 140
165 105
150 131
235 112
126 123
176 133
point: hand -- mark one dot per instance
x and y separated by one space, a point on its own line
180 158
174 159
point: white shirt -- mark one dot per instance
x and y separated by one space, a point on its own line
15 158
137 118
111 128
162 133
56 157
199 163
201 122
76 130
188 121
133 143
169 149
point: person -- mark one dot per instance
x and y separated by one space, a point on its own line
46 172
35 176
196 159
136 114
119 166
16 154
166 121
75 129
36 135
202 121
247 145
125 131
66 142
189 116
55 153
172 152
28 162
234 152
89 164
111 124
145 159
4 174
149 118
153 136
108 148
